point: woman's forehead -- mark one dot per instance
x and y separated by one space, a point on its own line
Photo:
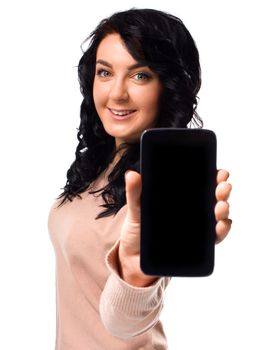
113 49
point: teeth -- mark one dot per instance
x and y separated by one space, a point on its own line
121 113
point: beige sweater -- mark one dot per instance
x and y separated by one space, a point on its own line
96 309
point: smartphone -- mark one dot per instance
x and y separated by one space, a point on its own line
178 169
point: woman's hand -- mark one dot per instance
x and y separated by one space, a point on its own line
223 191
129 249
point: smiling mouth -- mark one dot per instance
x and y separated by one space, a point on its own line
122 112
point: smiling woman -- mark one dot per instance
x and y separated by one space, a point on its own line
147 67
126 93
140 70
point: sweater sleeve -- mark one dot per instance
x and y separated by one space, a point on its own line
127 311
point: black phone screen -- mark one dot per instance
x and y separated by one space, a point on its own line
178 168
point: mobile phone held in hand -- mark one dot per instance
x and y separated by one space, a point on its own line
178 168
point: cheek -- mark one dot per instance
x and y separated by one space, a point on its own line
151 102
94 93
99 94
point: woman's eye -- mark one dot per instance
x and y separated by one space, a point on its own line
103 73
141 76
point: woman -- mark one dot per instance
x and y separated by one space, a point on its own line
141 70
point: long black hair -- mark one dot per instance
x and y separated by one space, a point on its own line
162 42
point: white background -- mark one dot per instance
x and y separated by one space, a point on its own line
40 99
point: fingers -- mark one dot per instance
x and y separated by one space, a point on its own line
222 229
222 175
221 210
133 194
223 191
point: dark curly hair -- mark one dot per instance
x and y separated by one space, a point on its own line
162 42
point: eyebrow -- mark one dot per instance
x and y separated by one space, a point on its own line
133 66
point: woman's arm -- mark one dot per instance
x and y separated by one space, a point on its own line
126 310
131 301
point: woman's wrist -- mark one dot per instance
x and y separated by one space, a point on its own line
130 271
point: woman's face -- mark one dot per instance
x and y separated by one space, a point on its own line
126 94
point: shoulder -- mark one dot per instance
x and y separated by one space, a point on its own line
55 212
56 206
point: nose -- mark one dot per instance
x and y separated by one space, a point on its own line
118 90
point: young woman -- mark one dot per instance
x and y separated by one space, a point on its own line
141 70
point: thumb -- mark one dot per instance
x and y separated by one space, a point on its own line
133 187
